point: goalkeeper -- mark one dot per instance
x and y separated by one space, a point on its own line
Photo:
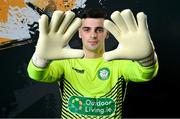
93 80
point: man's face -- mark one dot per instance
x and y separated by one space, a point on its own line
93 34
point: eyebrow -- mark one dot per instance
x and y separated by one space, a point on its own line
85 27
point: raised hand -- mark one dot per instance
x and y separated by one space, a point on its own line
54 37
133 36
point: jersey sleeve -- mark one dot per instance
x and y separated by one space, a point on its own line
50 74
133 71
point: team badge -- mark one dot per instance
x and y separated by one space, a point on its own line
103 73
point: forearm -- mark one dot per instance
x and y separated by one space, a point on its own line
48 74
138 73
149 72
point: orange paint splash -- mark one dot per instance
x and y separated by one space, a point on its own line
18 3
51 5
4 40
65 5
4 6
42 4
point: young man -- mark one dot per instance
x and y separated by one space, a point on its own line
93 80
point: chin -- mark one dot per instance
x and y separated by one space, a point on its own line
93 48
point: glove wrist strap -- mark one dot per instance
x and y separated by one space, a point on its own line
149 60
39 62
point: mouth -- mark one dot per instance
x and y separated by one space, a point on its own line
93 42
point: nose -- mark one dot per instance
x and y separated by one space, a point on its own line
93 35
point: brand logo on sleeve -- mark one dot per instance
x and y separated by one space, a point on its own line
78 70
103 73
91 106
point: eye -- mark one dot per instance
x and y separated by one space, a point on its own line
100 30
86 29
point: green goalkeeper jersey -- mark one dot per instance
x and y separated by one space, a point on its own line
92 88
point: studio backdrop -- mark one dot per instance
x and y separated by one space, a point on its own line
22 97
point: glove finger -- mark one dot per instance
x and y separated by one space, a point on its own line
66 21
112 28
71 53
129 19
119 21
72 29
43 24
56 20
142 21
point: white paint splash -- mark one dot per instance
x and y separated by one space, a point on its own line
16 28
80 4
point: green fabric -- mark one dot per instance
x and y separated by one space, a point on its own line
92 79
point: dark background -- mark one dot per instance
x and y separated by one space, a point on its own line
22 97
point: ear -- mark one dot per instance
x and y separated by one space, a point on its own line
79 33
107 36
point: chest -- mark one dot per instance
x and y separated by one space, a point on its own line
92 77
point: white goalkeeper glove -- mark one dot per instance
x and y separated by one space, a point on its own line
133 37
54 37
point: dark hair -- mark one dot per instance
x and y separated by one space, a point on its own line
94 13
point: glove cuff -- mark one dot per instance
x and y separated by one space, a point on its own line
149 60
39 62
